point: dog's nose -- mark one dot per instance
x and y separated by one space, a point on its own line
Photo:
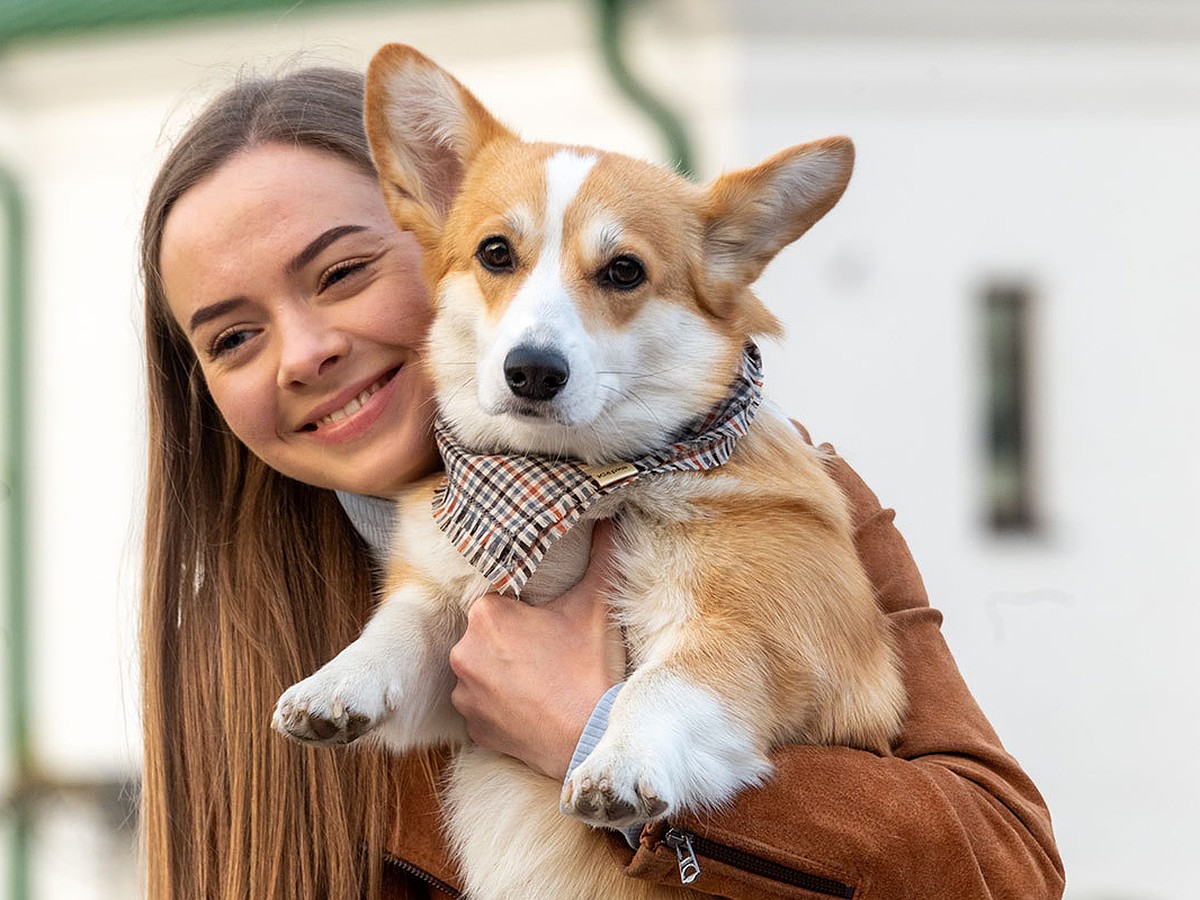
535 373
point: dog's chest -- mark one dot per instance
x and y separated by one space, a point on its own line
651 514
563 565
567 558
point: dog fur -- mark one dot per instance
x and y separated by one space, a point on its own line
748 618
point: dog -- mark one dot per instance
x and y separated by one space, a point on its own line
593 315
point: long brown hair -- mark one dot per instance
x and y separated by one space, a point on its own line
251 581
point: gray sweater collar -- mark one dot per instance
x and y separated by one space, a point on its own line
373 518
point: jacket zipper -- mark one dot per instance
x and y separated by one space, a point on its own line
420 874
688 846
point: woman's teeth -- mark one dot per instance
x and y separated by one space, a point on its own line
354 405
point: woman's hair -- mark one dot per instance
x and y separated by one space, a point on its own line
251 582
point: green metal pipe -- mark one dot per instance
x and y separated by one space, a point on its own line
16 526
612 24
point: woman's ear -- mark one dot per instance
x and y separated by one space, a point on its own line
424 128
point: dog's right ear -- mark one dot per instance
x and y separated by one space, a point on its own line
424 128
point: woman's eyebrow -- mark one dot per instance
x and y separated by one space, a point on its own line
213 311
323 240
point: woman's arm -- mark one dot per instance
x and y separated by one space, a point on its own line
950 815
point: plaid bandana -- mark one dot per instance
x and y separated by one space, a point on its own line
502 513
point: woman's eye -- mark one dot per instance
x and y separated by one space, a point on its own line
228 341
495 255
623 273
340 272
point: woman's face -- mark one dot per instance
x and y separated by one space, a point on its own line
306 309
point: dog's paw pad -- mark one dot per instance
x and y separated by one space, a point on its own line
314 728
314 721
600 800
596 800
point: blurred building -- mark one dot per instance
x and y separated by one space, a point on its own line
996 326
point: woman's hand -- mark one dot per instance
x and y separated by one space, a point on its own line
530 676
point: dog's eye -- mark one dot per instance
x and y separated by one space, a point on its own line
495 255
624 273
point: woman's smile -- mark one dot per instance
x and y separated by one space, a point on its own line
346 420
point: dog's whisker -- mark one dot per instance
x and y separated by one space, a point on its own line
459 388
637 398
640 374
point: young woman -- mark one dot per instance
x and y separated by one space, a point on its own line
284 325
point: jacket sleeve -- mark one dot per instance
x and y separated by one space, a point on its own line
950 815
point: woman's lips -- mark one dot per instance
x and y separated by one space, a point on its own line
355 404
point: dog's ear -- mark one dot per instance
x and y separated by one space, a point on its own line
752 214
424 128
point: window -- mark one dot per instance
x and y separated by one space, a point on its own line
1010 495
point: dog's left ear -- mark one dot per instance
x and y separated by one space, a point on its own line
752 214
424 128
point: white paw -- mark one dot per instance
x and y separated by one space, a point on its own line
337 705
616 789
669 746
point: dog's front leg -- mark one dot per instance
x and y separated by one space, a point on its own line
395 679
671 743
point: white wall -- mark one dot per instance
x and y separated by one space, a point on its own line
1050 142
1015 148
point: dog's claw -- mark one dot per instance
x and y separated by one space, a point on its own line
651 802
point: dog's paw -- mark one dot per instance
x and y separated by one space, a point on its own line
615 790
334 706
669 746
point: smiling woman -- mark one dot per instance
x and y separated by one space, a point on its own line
308 334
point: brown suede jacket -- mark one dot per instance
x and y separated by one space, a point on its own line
950 816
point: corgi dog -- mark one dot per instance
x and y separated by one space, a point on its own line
590 311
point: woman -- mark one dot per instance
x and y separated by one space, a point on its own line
284 320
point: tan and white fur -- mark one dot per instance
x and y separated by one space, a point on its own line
749 620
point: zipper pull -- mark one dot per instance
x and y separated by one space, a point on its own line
681 842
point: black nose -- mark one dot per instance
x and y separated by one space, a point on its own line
535 373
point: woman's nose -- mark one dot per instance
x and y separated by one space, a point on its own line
311 347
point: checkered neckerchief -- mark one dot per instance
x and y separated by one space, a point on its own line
503 512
